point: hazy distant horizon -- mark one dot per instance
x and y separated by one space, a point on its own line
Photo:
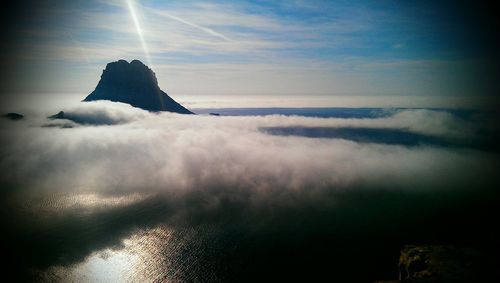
56 102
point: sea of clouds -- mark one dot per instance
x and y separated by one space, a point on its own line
111 148
109 161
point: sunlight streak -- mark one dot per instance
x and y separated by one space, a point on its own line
139 31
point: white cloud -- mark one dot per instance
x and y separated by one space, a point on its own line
85 189
170 152
205 29
266 54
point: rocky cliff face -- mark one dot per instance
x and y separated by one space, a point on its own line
134 83
14 116
443 264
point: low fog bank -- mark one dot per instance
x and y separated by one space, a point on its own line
74 186
167 152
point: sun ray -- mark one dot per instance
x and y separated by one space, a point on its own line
133 14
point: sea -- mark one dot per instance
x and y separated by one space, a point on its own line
263 194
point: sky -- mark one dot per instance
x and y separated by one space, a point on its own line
255 48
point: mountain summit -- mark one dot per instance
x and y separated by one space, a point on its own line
134 83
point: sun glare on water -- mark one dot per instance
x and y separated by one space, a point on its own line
136 260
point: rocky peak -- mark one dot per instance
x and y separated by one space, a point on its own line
136 84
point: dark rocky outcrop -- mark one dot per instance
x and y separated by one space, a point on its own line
134 83
438 263
14 116
59 115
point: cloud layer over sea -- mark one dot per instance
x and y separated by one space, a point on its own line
112 147
111 162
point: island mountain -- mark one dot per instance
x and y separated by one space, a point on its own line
136 84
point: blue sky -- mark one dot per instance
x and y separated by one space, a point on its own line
411 48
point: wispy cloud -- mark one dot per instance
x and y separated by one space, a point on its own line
207 30
311 48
